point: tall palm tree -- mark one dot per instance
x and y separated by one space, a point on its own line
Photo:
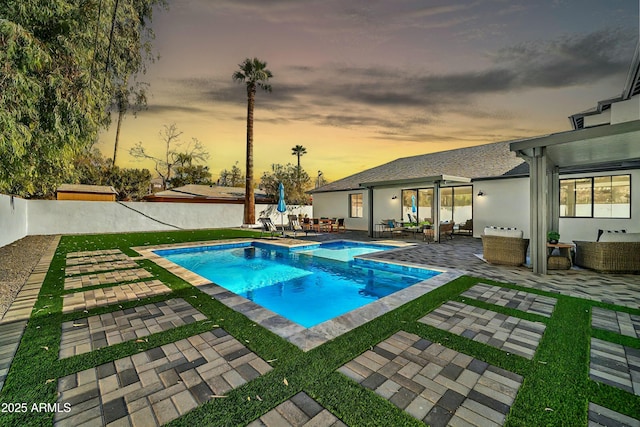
254 73
299 151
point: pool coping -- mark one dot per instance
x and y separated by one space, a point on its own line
304 338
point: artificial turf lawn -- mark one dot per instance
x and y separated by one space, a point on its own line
556 388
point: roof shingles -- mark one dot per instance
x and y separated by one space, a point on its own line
482 161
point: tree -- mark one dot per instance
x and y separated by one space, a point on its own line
295 182
60 60
91 167
255 74
299 151
128 98
232 178
186 172
171 157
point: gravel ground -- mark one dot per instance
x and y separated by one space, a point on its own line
17 261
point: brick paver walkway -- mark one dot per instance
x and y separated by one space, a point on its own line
505 297
616 365
84 335
112 277
112 295
616 321
435 384
600 416
99 267
508 333
159 385
299 411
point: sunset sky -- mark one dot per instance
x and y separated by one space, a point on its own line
360 83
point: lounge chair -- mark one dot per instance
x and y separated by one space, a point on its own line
294 225
268 227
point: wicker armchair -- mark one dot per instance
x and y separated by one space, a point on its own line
608 257
504 250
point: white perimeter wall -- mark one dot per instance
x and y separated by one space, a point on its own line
33 217
13 219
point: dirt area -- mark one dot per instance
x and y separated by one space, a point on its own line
17 261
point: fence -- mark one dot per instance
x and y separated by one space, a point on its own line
19 217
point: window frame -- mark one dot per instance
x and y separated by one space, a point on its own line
593 203
353 197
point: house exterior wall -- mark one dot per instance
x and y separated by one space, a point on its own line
505 203
336 205
13 219
571 229
625 111
603 118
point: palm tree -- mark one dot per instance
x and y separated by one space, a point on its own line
299 151
254 73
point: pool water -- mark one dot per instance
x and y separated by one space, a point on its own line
307 286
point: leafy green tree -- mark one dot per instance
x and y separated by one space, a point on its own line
254 74
59 63
91 167
290 176
128 98
231 178
171 157
186 172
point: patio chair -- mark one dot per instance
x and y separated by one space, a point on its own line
295 226
467 227
446 230
504 246
340 224
268 227
393 227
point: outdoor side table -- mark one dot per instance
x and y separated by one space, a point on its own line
561 261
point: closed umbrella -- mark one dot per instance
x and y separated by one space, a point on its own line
282 207
413 207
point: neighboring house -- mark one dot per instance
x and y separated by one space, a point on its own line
576 182
196 193
99 193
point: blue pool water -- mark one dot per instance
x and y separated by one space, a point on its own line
308 285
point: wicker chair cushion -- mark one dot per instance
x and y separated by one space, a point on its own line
620 237
502 232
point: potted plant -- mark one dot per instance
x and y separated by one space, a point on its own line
553 237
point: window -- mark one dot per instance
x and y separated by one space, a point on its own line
596 197
355 205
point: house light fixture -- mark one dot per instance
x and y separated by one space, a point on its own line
480 193
394 197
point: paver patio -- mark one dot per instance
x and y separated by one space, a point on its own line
427 380
508 333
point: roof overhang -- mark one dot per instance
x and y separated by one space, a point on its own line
422 180
588 148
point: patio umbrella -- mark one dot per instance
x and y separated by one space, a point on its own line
282 207
413 207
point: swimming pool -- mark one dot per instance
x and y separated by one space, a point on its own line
307 285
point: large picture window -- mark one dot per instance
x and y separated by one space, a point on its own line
596 197
355 205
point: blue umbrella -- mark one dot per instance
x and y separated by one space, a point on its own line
282 207
413 204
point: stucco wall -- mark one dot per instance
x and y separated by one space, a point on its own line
19 217
336 205
505 203
73 217
587 228
13 219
